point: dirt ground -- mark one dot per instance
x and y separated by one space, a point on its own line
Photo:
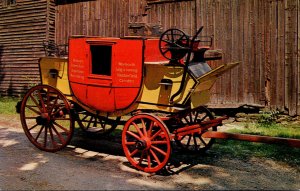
91 164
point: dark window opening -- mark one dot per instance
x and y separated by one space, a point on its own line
101 60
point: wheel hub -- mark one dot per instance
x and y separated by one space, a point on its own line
141 145
43 119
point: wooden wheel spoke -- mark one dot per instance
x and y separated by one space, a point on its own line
201 139
138 129
102 126
36 103
144 128
48 96
89 123
167 50
52 137
102 123
159 150
183 137
167 35
180 38
95 121
62 140
39 133
196 116
149 159
172 35
31 108
57 111
42 101
149 133
62 119
186 120
130 143
189 140
156 134
133 135
159 142
203 118
84 118
166 41
45 136
134 152
195 142
142 157
30 117
61 127
155 156
54 104
191 118
32 127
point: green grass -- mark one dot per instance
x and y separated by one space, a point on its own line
8 105
275 130
246 150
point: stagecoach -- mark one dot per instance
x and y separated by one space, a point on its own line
157 88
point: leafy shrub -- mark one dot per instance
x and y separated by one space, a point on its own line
268 119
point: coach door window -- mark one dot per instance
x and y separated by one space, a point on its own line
101 59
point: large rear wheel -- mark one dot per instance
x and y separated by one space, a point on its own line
46 118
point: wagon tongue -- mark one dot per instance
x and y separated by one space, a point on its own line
213 122
252 138
202 127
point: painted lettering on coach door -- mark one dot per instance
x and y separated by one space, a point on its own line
127 73
77 69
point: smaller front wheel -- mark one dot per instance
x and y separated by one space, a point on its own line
146 142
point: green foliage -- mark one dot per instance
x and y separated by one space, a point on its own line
268 119
8 105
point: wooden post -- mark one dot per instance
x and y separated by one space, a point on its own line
291 67
298 57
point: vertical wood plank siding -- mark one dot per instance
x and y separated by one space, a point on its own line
97 18
263 35
23 27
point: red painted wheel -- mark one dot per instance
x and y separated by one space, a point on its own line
146 142
46 118
93 124
195 142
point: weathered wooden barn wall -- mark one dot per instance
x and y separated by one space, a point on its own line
96 18
23 27
262 34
